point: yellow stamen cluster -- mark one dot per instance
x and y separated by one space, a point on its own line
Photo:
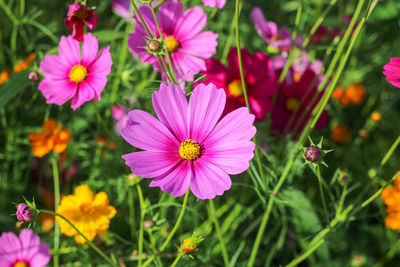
172 44
189 150
78 73
86 208
21 264
236 88
292 103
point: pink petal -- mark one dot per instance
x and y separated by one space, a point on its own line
187 65
149 164
171 107
78 31
146 132
203 45
42 257
190 24
176 181
30 243
208 180
96 83
57 91
10 247
206 105
84 93
89 49
69 50
168 15
54 67
102 63
214 3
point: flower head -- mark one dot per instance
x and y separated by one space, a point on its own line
33 76
80 75
261 83
187 45
186 147
24 213
376 116
90 213
120 116
24 250
77 16
268 30
391 197
340 133
392 71
52 137
190 244
313 153
4 75
214 3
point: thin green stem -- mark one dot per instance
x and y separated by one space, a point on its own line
80 233
177 259
132 213
390 152
219 234
321 191
56 180
141 229
140 17
342 199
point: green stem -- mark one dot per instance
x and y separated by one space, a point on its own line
142 212
217 228
390 152
177 259
132 213
172 233
56 180
140 17
80 233
321 191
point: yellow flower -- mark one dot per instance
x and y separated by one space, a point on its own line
89 213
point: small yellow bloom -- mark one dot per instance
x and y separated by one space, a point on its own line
376 116
89 213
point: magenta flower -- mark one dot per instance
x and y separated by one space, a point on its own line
187 45
25 250
281 39
392 71
186 147
24 213
80 75
120 116
77 16
261 81
122 7
214 3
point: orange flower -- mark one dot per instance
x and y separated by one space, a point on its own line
52 137
340 133
24 64
376 116
4 75
103 141
338 93
356 94
391 197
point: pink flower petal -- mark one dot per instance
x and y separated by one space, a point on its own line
102 63
57 91
171 107
202 45
84 93
69 50
30 243
208 180
42 257
190 24
10 247
206 105
176 181
149 164
89 49
54 67
214 3
168 15
96 83
147 133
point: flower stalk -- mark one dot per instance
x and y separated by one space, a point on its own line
56 180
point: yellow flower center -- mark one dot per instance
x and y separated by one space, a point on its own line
78 73
81 14
21 264
236 88
171 43
292 103
189 150
86 208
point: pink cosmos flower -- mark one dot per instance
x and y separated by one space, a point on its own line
186 147
281 39
77 16
261 81
80 75
187 45
293 100
214 3
25 250
392 71
120 116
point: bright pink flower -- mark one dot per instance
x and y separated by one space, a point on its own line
294 104
281 39
392 71
120 116
261 82
23 249
214 3
77 16
186 147
188 46
24 213
81 75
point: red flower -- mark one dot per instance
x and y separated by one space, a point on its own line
261 82
78 15
294 104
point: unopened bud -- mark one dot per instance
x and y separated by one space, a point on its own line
33 76
189 245
154 45
313 153
148 223
24 213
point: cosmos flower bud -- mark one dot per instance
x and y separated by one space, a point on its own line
189 245
33 76
154 45
313 153
148 223
24 213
